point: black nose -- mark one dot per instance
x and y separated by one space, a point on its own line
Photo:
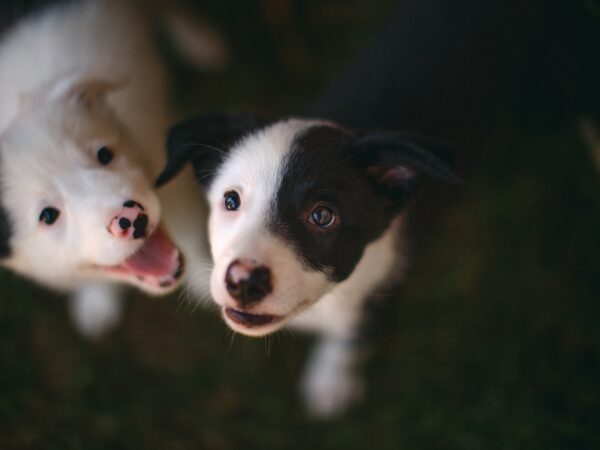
140 223
247 281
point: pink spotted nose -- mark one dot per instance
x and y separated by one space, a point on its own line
130 223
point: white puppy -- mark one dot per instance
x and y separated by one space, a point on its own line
83 119
304 228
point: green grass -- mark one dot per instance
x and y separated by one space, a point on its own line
493 341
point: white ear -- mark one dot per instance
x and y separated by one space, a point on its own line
88 90
91 90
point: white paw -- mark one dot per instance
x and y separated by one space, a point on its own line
95 310
329 391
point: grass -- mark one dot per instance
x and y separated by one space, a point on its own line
492 343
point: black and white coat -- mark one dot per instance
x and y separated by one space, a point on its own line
305 225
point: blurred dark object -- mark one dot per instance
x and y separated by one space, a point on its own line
449 67
13 10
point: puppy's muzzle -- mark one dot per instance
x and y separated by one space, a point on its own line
247 281
130 223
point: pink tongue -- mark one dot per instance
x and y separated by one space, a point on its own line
158 256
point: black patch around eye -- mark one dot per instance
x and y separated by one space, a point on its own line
105 155
49 215
316 169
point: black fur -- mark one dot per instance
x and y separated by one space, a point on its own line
5 233
449 68
204 141
366 178
343 171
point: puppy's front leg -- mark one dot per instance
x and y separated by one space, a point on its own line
332 380
96 308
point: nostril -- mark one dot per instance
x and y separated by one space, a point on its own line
139 226
141 221
248 283
259 284
124 223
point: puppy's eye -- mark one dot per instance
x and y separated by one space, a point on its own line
105 155
231 200
322 217
49 215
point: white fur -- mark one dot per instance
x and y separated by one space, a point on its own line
74 78
96 308
331 381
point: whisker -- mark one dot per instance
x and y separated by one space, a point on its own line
200 144
232 339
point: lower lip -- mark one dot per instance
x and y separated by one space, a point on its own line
250 320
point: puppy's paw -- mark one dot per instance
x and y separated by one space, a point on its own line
96 309
328 392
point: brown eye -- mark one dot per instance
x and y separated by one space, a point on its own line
231 200
49 215
322 217
105 155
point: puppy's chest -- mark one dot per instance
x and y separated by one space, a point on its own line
332 314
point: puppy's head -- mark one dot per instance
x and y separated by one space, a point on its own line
293 206
74 203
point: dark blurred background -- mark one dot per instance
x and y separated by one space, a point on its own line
493 340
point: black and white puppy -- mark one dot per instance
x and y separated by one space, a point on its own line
304 226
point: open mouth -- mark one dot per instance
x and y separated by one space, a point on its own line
249 320
158 264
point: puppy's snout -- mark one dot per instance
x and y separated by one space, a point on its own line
130 223
247 281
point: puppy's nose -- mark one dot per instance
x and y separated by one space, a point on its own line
130 223
247 281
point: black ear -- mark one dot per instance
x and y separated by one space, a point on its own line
396 162
204 141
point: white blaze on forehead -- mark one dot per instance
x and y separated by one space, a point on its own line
253 169
255 162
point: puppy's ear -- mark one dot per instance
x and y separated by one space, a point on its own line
396 162
90 90
205 142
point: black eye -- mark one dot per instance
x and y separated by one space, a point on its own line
231 200
322 217
49 215
105 155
